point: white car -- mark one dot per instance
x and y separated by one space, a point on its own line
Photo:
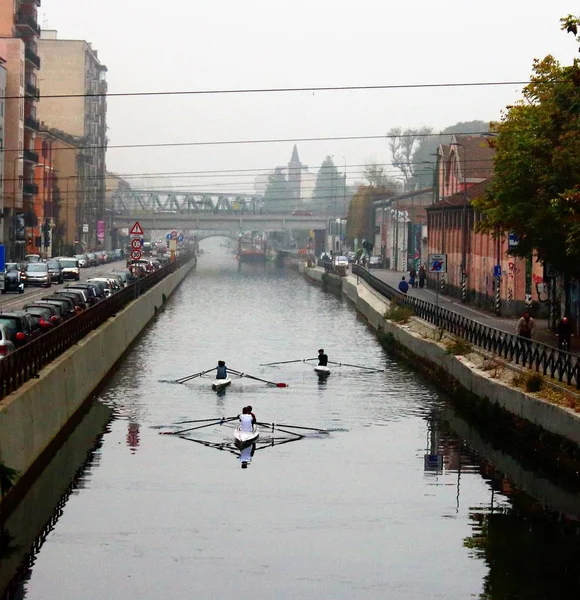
341 261
6 346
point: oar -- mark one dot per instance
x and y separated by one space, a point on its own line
293 427
286 362
280 385
184 379
357 366
198 427
202 420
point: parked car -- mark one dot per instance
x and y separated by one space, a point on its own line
6 346
33 258
92 259
55 270
21 328
126 276
375 262
64 305
70 267
77 296
37 274
351 257
341 261
110 286
13 279
83 260
42 315
55 311
88 289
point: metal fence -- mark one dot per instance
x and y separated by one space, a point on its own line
550 361
26 362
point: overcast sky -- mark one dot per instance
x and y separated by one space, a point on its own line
227 44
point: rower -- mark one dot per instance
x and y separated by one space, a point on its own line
247 423
222 371
251 414
322 358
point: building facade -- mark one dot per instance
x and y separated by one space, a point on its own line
72 68
19 32
3 80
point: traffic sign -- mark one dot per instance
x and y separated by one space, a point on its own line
136 254
438 263
497 271
137 243
136 229
168 236
180 238
173 234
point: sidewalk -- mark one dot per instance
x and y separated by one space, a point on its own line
542 333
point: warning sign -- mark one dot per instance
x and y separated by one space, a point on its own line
136 229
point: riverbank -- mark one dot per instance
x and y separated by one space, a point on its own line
36 418
478 388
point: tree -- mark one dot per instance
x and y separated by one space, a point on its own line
404 144
277 195
360 210
329 187
376 177
535 192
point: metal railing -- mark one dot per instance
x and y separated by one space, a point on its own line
550 361
26 362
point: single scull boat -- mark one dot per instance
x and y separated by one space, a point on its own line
245 438
220 384
322 370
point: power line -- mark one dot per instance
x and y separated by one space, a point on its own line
329 88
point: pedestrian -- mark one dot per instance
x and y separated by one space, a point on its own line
413 277
364 260
403 285
526 326
564 333
422 276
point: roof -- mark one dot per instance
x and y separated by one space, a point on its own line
295 159
419 195
476 153
462 198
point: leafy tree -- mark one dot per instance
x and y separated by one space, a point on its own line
536 188
277 195
404 145
376 177
329 187
360 210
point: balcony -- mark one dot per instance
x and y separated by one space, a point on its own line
32 57
31 189
32 123
26 24
31 156
32 91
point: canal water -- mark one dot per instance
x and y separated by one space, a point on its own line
401 499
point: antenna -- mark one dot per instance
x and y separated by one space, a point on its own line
44 21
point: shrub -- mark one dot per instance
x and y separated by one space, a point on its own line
534 382
458 346
398 313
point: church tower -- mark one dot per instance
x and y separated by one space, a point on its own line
294 180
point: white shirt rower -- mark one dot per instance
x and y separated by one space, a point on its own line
246 423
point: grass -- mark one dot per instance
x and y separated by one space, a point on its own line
398 313
458 347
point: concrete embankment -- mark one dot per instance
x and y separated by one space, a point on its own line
32 418
456 373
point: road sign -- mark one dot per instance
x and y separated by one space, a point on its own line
513 240
173 234
172 245
497 271
136 229
137 243
180 238
168 236
438 263
136 254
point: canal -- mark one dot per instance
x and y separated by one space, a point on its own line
403 498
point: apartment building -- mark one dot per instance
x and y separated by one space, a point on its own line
3 80
19 32
72 68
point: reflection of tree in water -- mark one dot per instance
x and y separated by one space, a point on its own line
530 553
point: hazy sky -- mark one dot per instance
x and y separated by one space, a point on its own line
225 44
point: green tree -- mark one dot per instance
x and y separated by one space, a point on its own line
329 188
360 210
376 176
277 195
404 144
535 191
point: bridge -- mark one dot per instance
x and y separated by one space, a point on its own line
221 221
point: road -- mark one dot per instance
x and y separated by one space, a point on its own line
10 301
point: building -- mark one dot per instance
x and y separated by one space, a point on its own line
19 32
3 80
400 224
493 279
113 236
72 68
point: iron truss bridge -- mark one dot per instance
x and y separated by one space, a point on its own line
135 201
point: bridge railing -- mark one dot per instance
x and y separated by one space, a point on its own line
26 362
550 361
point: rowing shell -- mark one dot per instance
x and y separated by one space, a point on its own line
322 370
220 384
246 438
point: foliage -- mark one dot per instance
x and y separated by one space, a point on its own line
360 209
534 382
277 194
398 313
403 145
329 187
8 477
376 176
535 192
459 347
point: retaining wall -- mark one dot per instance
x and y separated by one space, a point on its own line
33 416
557 420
